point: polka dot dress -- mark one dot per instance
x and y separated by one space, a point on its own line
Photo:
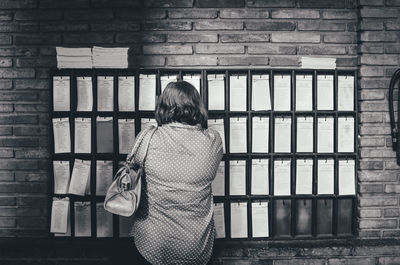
174 224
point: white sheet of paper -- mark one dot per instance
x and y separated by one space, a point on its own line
260 225
105 93
218 125
238 135
104 221
144 122
125 225
104 134
166 79
83 135
259 177
193 80
61 176
126 93
85 93
304 97
216 92
104 176
59 215
80 177
126 135
237 92
282 177
347 177
345 134
82 219
68 233
325 176
325 92
304 176
219 220
218 185
260 137
237 177
238 219
261 96
345 92
147 92
325 135
283 134
282 92
62 135
305 134
61 93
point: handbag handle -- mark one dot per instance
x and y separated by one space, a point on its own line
146 136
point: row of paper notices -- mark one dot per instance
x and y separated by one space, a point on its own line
83 139
216 92
238 93
84 93
126 93
304 96
237 181
105 93
325 92
304 176
282 177
147 122
126 135
325 135
305 134
104 134
80 178
218 184
283 133
61 93
166 79
259 177
147 92
260 135
282 84
218 125
194 80
238 135
325 176
261 95
104 176
346 93
62 135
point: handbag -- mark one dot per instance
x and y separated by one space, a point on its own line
123 195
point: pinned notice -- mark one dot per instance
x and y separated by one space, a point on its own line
85 93
261 96
237 174
283 133
105 93
282 92
304 176
260 135
259 219
104 175
305 133
238 92
259 177
304 92
126 135
61 176
147 92
219 220
83 132
346 93
347 177
325 135
282 177
238 219
216 92
126 93
218 185
325 176
325 92
218 125
80 178
61 93
62 135
82 219
104 221
59 215
238 135
345 134
104 131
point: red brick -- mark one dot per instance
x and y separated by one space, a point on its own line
368 213
392 3
219 49
14 4
24 187
220 3
192 13
167 49
374 12
377 153
88 38
378 223
244 60
116 26
371 188
29 211
391 234
6 16
31 84
192 38
244 37
167 25
244 13
392 49
321 50
31 108
141 14
368 48
380 59
306 37
352 26
140 38
30 177
5 130
37 62
219 25
377 176
28 153
5 84
36 222
372 94
391 212
371 165
6 177
371 2
18 96
7 222
5 62
40 200
5 39
89 15
340 38
6 107
8 212
271 49
295 13
32 39
197 60
297 261
322 3
392 24
7 201
347 62
371 25
339 14
146 61
18 142
169 3
320 25
115 3
4 153
64 4
372 36
275 26
38 15
271 3
372 142
392 188
376 201
284 61
352 261
371 71
64 26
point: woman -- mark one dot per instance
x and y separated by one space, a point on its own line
174 224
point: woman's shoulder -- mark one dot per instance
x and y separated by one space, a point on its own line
214 134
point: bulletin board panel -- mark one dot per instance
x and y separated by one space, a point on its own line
322 212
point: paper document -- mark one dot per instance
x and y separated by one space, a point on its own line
218 125
260 137
259 219
218 185
82 219
219 220
282 92
80 178
345 134
61 175
126 135
325 92
62 135
283 134
259 177
105 93
147 92
61 93
110 57
68 233
59 215
346 93
104 220
347 177
216 92
325 135
238 135
104 132
282 177
126 93
194 80
104 176
84 93
325 176
239 219
304 95
166 79
305 134
83 135
237 177
237 93
304 176
261 97
74 57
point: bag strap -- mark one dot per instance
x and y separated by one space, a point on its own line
143 138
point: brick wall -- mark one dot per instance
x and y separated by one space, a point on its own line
194 34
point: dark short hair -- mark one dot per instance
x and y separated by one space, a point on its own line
180 102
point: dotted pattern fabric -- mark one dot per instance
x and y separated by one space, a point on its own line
174 223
